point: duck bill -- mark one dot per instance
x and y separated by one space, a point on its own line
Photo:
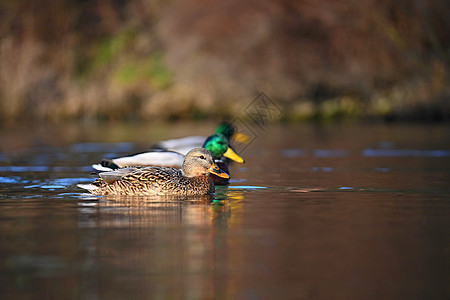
214 169
233 156
240 137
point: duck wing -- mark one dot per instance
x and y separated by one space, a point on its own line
152 174
113 176
158 180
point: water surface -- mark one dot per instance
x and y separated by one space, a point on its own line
329 212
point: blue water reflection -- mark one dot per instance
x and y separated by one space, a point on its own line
101 147
404 153
330 153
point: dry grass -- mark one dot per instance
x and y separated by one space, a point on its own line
146 60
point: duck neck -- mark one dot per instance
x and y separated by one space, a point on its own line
190 174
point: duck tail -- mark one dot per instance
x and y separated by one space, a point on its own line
106 165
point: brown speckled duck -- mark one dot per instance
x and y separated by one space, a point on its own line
191 180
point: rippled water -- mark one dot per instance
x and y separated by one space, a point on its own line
329 212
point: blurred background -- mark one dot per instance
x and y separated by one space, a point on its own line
147 60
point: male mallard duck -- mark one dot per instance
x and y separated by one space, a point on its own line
217 144
191 180
183 145
223 153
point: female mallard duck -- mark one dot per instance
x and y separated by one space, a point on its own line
191 180
217 144
183 145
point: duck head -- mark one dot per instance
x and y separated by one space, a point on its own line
219 146
200 161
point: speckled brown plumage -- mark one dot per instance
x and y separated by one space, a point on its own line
192 180
148 181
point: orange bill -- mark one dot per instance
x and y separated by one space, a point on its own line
214 169
233 155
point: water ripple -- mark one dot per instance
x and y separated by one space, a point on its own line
293 152
14 179
247 187
330 153
19 169
101 147
404 153
24 169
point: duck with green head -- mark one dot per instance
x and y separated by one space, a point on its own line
183 145
223 153
219 146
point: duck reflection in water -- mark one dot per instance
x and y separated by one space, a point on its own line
179 242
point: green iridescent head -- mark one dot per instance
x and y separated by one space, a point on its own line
218 145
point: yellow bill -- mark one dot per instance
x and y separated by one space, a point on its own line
233 156
214 169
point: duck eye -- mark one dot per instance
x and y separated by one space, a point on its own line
201 157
